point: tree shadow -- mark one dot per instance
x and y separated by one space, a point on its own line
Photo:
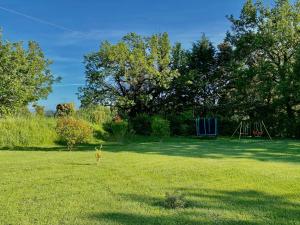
284 151
82 147
138 219
254 206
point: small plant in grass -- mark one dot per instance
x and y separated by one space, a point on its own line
174 201
160 127
73 131
98 154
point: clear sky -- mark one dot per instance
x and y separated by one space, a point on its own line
68 29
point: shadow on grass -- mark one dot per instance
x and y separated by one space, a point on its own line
138 219
82 147
212 207
284 151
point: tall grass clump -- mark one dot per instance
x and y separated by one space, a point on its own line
27 131
95 114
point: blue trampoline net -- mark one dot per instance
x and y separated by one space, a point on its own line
206 126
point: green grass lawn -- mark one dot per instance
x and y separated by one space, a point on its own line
224 181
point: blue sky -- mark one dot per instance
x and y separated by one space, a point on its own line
68 29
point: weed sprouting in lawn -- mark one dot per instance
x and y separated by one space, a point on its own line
175 200
98 154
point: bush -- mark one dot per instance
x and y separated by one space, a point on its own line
119 129
39 110
160 127
27 131
183 123
141 124
65 109
73 131
174 201
95 114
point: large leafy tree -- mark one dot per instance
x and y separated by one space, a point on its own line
203 76
24 75
132 75
266 41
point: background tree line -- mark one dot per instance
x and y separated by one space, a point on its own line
254 73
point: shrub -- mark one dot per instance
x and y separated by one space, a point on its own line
27 131
182 123
39 110
65 109
73 131
141 124
160 127
174 201
119 129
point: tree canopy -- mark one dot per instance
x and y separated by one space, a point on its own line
254 73
25 76
132 75
266 42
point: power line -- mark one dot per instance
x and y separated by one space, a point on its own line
36 19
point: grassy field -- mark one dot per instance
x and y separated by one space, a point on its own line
224 181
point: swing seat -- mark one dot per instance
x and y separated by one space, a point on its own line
260 133
257 133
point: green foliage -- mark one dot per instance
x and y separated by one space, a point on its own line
65 109
39 110
141 124
266 84
182 123
27 131
73 131
24 75
160 127
95 114
119 129
174 201
130 75
203 76
21 112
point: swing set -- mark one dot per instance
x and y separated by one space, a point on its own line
248 129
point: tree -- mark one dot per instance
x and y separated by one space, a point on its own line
24 75
203 76
131 75
265 41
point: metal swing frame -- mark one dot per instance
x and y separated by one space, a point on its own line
244 129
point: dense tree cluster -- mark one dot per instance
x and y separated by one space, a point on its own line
254 73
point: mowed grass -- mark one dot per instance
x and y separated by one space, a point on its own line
224 181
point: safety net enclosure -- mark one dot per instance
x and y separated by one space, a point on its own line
206 127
